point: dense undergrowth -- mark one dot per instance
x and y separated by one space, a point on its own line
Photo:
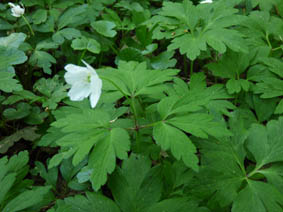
189 117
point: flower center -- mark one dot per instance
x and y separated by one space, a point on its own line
88 79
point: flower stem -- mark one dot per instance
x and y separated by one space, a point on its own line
82 56
29 26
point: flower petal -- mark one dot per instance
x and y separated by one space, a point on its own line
11 4
92 70
76 74
79 91
96 86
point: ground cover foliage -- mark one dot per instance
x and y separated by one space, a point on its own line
189 117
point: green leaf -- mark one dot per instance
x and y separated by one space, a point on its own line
221 174
58 158
43 60
20 95
50 176
90 202
22 110
46 44
30 3
13 41
144 36
184 11
135 79
53 91
27 199
7 83
104 28
40 16
11 56
66 33
279 108
134 192
264 108
4 25
275 65
194 28
72 16
103 158
48 25
197 95
80 43
93 46
150 48
63 4
274 175
231 66
27 134
229 182
131 54
86 43
258 196
91 127
177 204
265 5
163 60
235 86
199 125
188 45
15 164
269 87
9 53
186 110
6 185
259 26
36 116
15 195
265 143
170 138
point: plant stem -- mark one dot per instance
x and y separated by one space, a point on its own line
133 105
185 64
116 86
124 94
114 50
150 125
100 59
192 68
82 56
268 41
254 171
29 26
277 48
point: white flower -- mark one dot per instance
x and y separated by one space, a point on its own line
84 81
16 10
206 2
